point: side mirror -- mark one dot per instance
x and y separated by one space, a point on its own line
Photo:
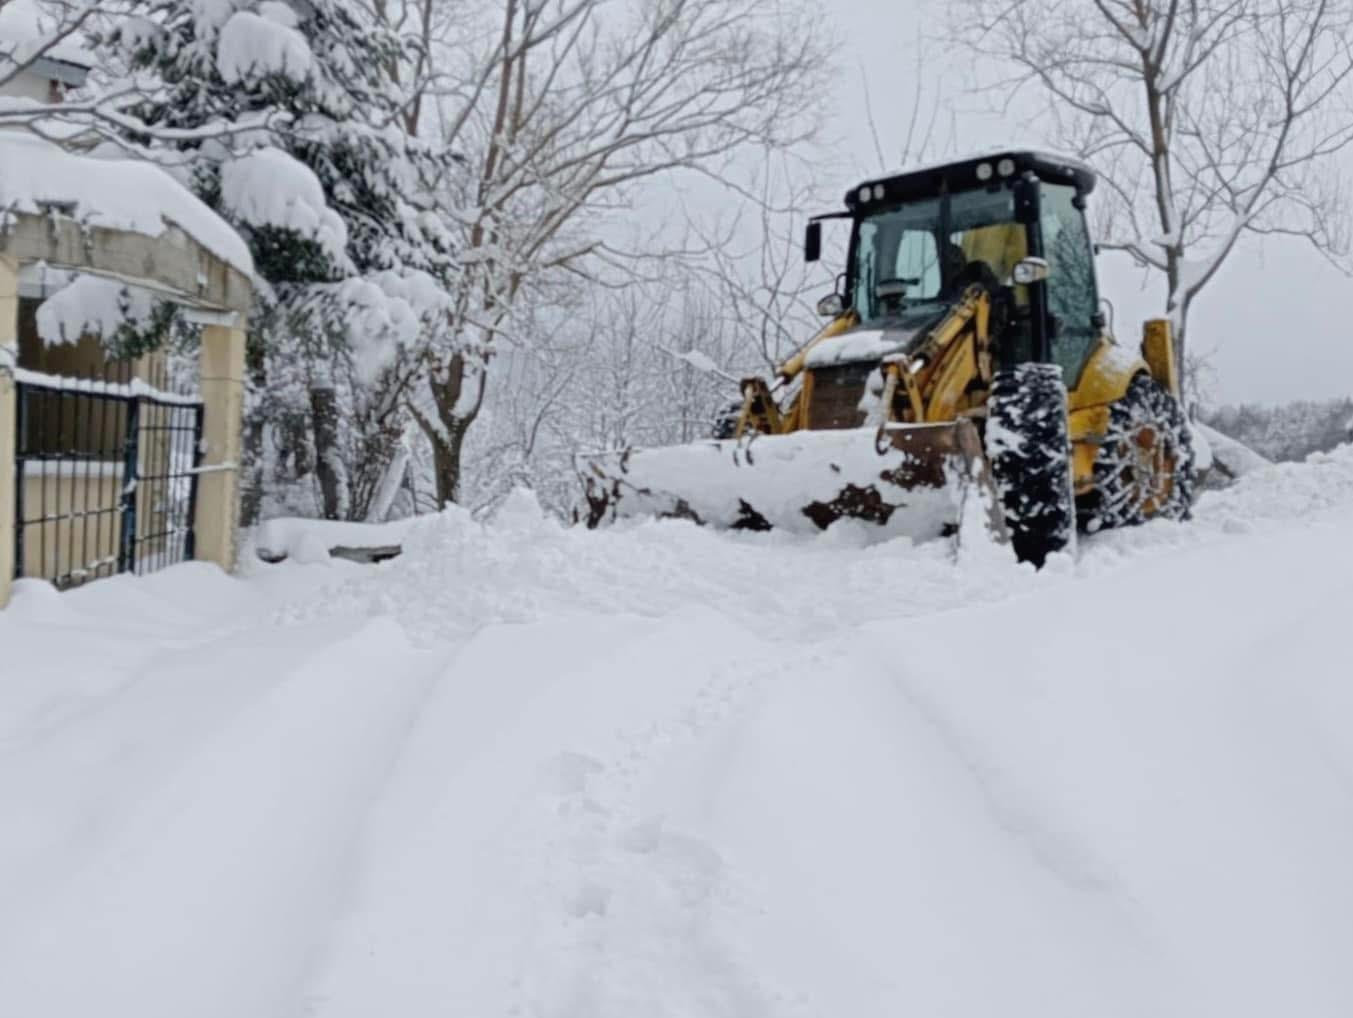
831 305
1030 271
812 242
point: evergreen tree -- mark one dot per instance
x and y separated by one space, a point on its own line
297 141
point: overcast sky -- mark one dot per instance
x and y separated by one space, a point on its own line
1278 316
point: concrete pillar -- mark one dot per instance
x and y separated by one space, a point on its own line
218 488
9 355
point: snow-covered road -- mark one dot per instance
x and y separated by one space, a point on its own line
529 771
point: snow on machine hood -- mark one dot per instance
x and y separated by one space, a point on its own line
861 345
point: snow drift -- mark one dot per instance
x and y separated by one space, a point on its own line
656 770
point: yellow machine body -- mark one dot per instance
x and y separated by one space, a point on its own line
883 419
949 375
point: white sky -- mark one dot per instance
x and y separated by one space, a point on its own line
1278 316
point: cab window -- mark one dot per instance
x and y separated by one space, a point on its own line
898 245
1072 298
927 243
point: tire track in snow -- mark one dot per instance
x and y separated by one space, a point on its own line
101 762
646 903
892 889
511 869
234 854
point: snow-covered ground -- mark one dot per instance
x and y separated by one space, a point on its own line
657 771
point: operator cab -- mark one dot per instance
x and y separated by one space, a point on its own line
1012 220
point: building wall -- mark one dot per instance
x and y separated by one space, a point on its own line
218 285
29 86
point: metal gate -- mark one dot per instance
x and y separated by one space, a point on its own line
106 477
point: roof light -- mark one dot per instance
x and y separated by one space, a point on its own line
878 192
1006 167
983 172
865 193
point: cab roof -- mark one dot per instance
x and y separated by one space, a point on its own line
962 174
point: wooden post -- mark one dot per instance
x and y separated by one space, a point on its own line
218 487
9 355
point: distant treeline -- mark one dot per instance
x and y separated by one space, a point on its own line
1289 431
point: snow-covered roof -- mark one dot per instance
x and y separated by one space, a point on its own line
116 194
53 69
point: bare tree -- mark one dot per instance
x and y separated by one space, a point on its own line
918 138
567 108
1207 119
648 363
751 258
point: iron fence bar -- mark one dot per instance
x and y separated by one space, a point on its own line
42 489
108 497
21 470
144 502
71 432
85 444
166 449
66 479
190 542
155 521
64 574
130 453
145 480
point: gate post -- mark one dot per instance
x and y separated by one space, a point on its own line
218 486
9 482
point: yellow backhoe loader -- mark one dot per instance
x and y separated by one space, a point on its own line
966 357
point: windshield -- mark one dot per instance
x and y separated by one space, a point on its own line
923 247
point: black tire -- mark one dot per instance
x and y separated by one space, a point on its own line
1144 468
726 421
1029 448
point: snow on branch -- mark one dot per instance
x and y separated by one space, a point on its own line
94 306
256 45
570 107
66 74
269 188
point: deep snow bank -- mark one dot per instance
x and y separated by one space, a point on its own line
459 574
530 770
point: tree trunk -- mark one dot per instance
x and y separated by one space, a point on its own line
1188 387
446 456
387 487
374 456
293 444
1181 319
328 463
457 394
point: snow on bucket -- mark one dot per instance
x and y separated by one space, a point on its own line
900 478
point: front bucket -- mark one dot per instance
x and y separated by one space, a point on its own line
909 480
